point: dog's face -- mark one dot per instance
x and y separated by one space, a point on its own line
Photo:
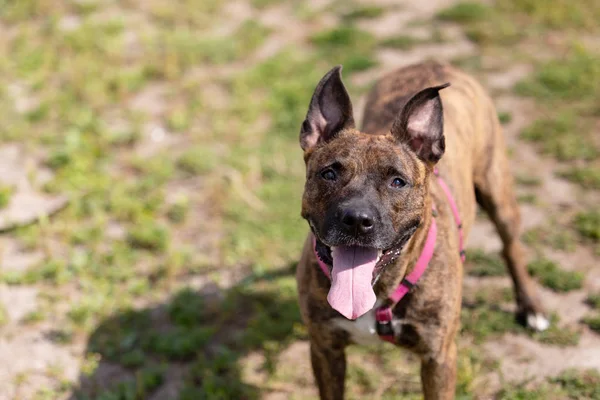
365 194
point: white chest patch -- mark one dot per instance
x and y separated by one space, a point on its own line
362 330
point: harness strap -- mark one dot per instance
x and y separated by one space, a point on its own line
455 212
384 315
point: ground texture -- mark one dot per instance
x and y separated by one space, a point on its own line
151 178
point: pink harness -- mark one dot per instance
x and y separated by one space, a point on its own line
384 314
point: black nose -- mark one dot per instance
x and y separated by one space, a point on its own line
357 220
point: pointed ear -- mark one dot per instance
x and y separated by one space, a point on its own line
330 111
420 124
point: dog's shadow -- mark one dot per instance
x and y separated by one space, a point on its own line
192 346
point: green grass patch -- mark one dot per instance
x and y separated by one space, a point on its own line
575 77
554 236
593 321
401 42
6 193
562 14
587 224
579 384
504 117
528 198
465 12
364 12
556 335
588 177
479 263
594 300
564 136
197 161
484 322
347 45
553 277
528 180
148 235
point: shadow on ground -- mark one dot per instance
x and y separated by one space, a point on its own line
191 346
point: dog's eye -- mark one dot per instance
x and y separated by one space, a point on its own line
328 174
398 183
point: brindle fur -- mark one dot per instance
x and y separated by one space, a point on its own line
474 166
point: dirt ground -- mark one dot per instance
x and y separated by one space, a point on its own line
57 323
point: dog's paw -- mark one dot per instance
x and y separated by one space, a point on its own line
537 322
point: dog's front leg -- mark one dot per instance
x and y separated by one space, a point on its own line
438 374
328 358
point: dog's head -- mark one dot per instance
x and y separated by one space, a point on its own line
365 195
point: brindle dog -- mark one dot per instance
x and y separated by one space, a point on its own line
368 200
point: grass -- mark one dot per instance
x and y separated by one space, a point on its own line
593 321
587 177
594 300
131 236
578 384
364 12
465 12
575 77
563 136
479 263
587 224
401 42
554 235
528 180
347 45
504 117
505 23
6 193
553 277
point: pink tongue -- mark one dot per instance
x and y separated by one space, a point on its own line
351 293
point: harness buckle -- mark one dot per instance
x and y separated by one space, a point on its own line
383 319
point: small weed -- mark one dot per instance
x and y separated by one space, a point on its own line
4 319
197 161
563 14
557 335
484 321
579 384
6 193
575 77
402 42
364 12
587 177
528 198
504 117
593 321
594 300
551 276
465 12
480 263
148 235
178 211
358 63
528 180
588 225
343 38
553 236
33 317
563 136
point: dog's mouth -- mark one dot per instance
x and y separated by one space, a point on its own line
354 270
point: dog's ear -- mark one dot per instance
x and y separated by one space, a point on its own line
420 124
330 111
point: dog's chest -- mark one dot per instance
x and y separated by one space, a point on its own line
362 330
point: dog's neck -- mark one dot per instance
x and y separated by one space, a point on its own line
394 273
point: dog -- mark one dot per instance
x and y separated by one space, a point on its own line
388 206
